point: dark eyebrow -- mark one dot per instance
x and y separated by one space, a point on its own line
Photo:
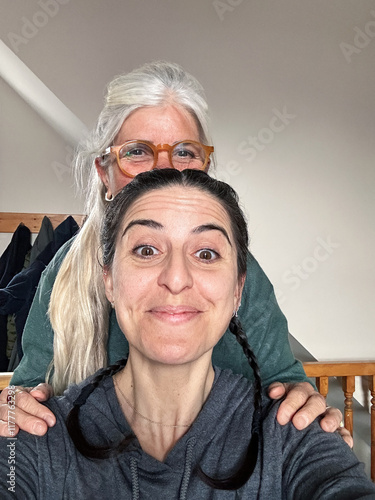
156 225
211 227
143 222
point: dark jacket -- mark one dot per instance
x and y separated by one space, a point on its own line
11 263
18 295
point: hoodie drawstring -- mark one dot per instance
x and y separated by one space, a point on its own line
188 467
185 479
135 479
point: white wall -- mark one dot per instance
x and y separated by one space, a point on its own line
308 184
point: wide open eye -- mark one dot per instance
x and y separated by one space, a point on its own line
145 251
207 254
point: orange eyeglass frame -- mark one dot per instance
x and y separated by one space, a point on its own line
156 149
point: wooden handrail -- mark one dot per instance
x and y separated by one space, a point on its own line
348 370
5 379
339 368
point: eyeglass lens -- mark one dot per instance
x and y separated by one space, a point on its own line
138 156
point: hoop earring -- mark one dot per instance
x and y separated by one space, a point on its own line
235 312
108 198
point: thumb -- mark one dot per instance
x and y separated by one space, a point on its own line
42 392
277 390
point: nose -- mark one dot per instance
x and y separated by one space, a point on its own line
176 274
163 160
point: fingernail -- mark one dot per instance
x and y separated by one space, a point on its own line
38 429
283 419
302 422
50 420
37 388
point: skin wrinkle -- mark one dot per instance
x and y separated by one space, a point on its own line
156 225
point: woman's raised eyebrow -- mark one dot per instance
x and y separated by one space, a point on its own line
212 227
156 225
143 222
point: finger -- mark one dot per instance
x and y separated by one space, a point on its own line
28 404
13 419
42 392
345 434
277 390
7 430
30 415
10 391
314 407
28 423
4 395
331 420
297 396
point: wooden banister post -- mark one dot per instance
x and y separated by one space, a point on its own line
348 386
322 385
348 370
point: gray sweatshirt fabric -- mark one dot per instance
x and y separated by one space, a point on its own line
308 465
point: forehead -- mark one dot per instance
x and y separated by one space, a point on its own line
159 124
179 207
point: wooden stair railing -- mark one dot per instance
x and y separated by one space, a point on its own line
5 379
348 370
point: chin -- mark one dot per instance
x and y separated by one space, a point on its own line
175 355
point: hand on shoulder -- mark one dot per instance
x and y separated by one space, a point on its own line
21 408
302 405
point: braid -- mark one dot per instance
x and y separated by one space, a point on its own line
236 328
72 421
239 478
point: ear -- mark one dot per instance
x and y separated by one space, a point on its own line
207 167
108 284
238 292
102 172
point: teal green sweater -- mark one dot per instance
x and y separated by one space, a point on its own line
260 315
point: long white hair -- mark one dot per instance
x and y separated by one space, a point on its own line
79 309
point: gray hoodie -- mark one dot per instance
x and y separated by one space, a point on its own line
309 464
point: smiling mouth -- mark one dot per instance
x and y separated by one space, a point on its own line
175 314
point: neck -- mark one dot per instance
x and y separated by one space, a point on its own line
160 402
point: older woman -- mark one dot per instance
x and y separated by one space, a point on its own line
164 423
159 112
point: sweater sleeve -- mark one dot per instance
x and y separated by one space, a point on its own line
37 338
267 332
41 463
320 466
19 468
